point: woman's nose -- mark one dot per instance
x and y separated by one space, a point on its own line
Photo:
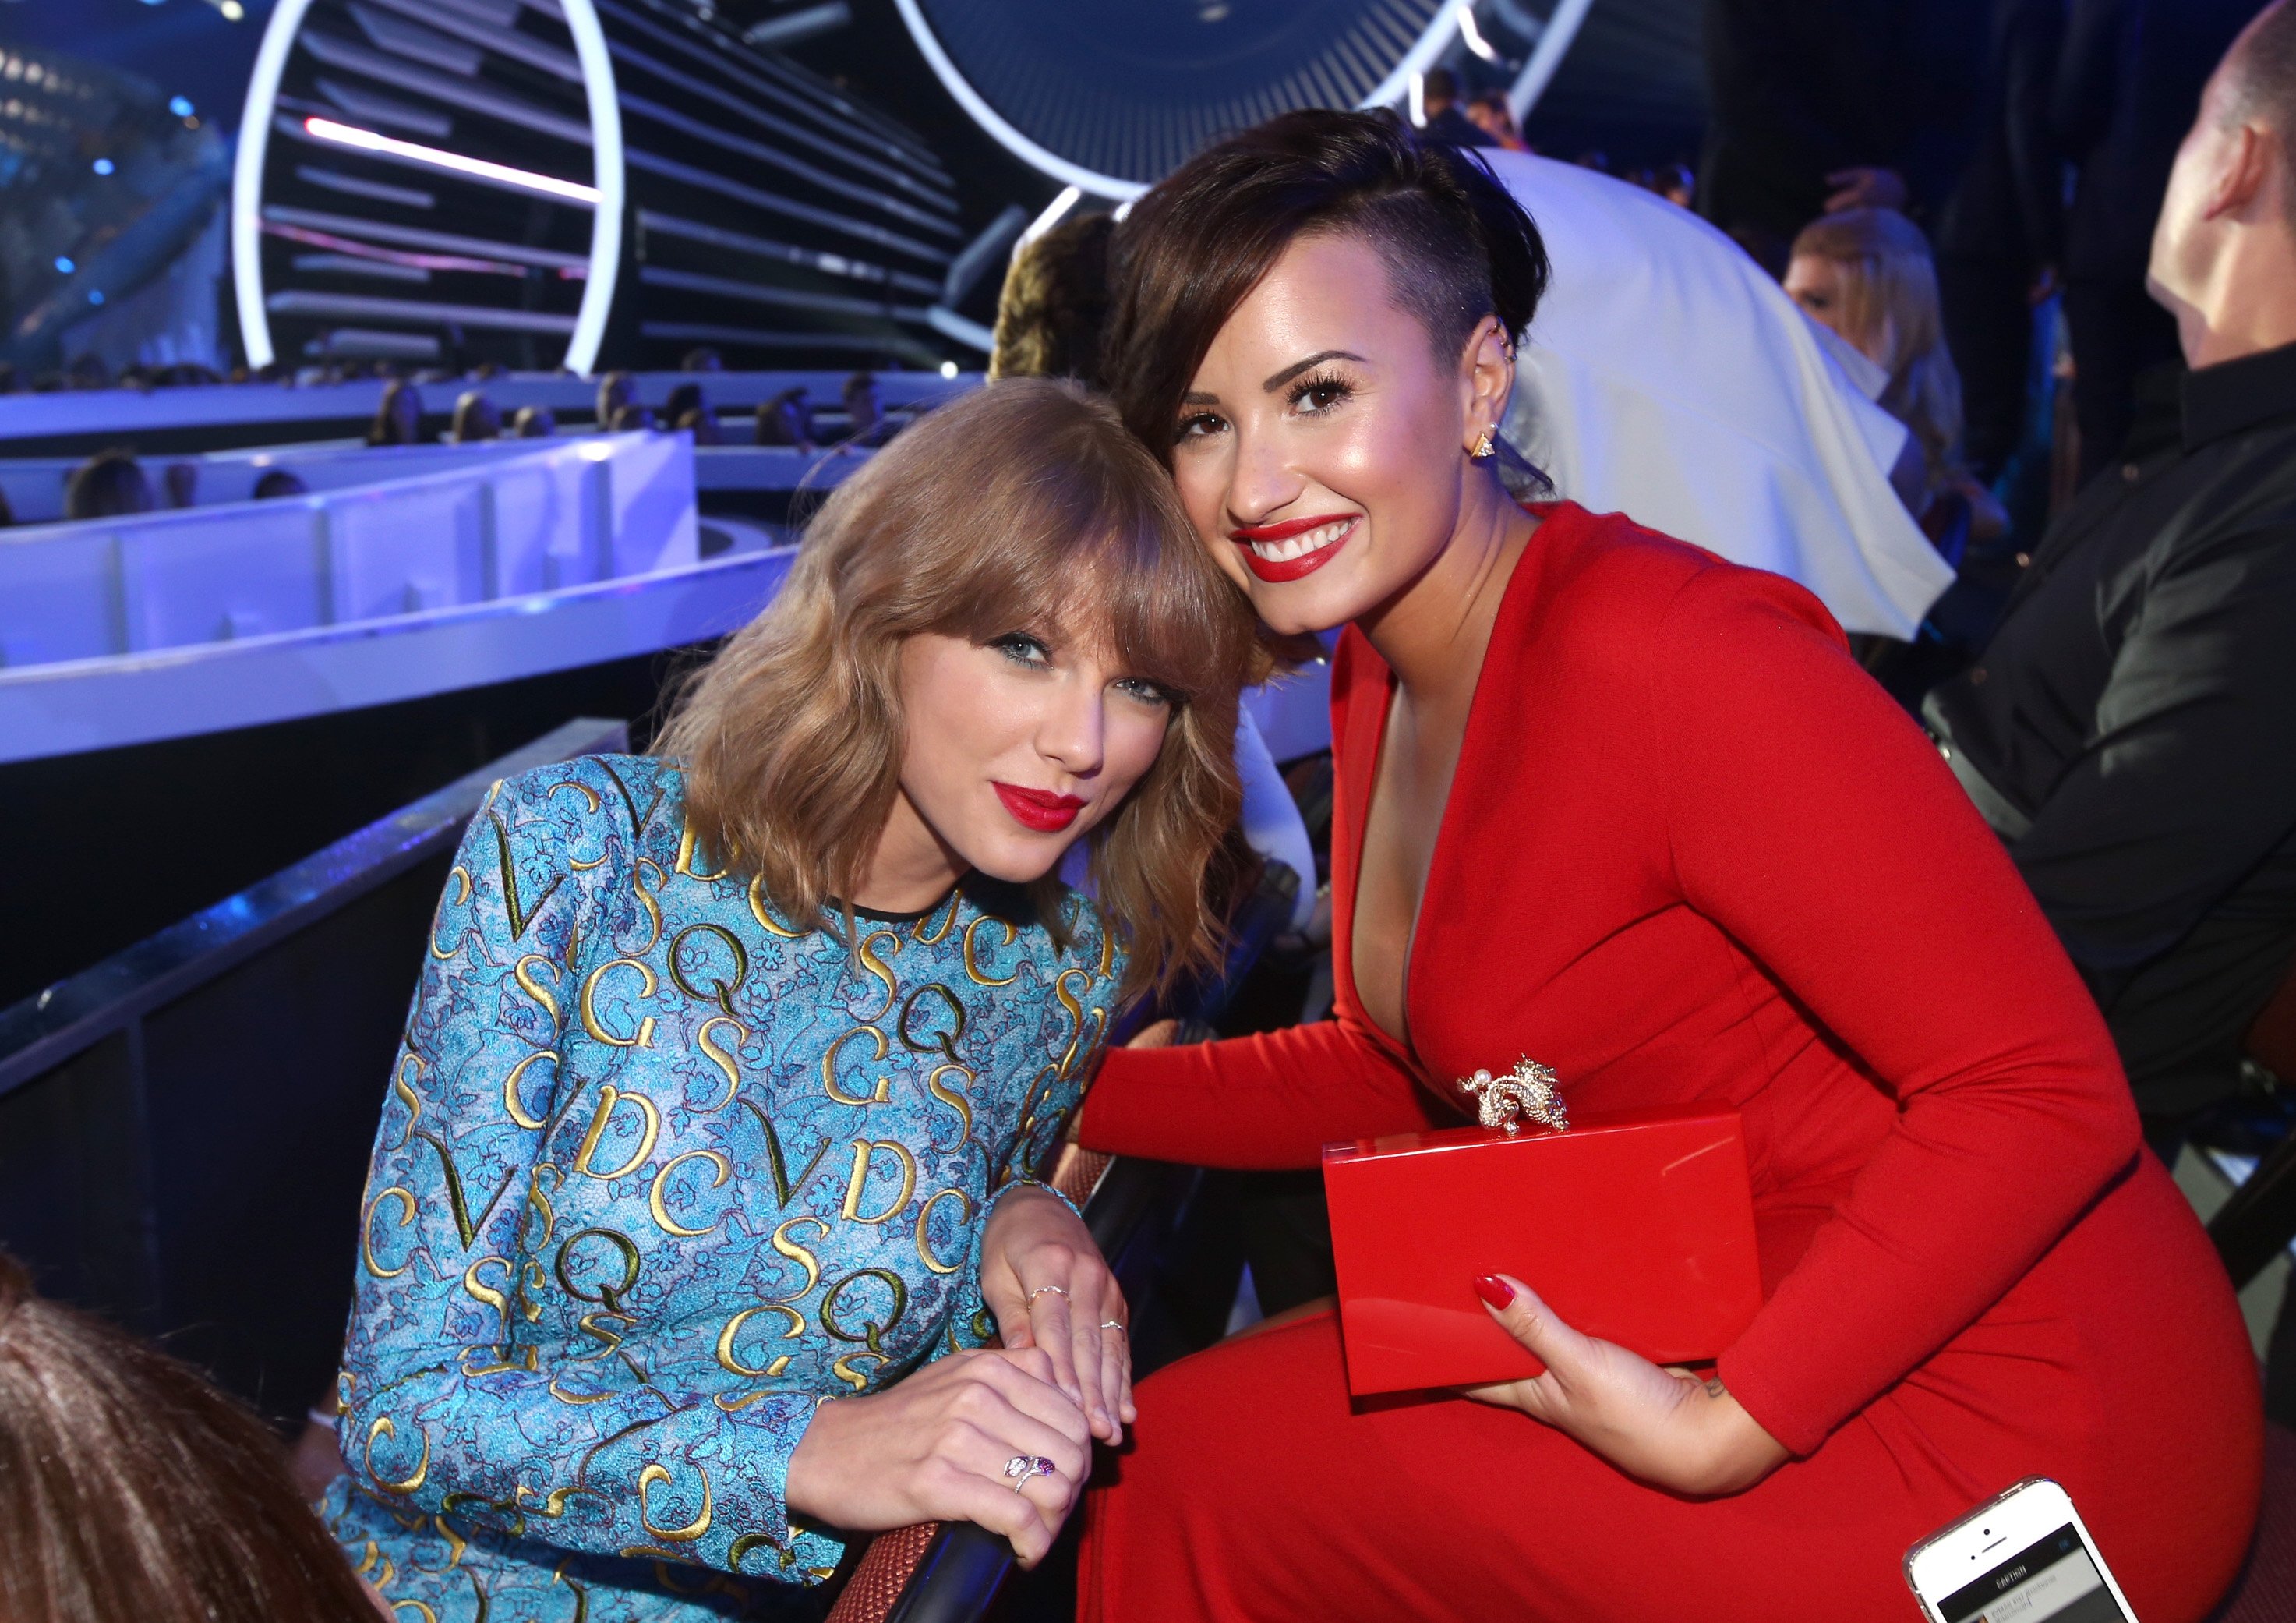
1073 733
1261 480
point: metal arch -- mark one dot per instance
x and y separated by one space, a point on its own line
1430 45
606 167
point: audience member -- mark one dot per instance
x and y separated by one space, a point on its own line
786 420
88 371
1055 304
1831 104
399 418
279 482
476 418
2126 733
10 380
7 512
2130 74
683 398
1490 113
1438 104
616 390
701 422
2000 232
864 410
108 484
182 483
1674 183
1867 274
631 418
534 423
131 1491
703 359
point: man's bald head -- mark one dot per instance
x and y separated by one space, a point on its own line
2258 83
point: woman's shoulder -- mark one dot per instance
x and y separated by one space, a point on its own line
590 799
1602 582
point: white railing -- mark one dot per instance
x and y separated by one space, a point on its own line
563 514
238 405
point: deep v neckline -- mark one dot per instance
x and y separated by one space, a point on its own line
1364 782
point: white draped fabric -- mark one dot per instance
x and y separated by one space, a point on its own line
1667 377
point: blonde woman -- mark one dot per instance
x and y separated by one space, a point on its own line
1867 275
705 1168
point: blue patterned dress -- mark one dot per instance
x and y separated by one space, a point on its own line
657 1174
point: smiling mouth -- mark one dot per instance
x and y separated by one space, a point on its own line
1039 809
1295 547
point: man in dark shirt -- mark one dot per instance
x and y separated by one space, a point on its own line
2131 730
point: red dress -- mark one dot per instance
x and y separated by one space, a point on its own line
1692 853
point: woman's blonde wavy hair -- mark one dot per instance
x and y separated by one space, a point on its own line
1891 312
1024 506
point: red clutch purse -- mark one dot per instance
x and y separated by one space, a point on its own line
1637 1227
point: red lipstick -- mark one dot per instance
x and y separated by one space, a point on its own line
1251 539
1039 809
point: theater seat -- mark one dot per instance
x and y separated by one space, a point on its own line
2266 1590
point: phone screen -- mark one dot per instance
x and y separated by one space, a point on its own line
2052 1578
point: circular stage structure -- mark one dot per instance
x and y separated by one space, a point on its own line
536 182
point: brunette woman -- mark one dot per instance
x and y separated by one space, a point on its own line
1610 802
730 1067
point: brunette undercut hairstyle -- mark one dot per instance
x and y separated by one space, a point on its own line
1456 245
131 1489
1024 506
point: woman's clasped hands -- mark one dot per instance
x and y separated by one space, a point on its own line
943 1443
1670 1428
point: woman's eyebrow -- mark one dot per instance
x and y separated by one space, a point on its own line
1279 379
1196 396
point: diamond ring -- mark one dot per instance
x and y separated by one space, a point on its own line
1115 1324
1020 1467
1042 1290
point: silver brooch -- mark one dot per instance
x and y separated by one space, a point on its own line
1527 1092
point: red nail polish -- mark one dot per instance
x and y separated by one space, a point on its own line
1493 1289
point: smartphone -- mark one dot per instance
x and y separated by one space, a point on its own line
2022 1558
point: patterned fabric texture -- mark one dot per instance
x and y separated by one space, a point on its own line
657 1174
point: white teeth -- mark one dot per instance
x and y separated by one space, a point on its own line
1300 546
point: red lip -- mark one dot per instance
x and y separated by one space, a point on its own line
1037 809
1291 568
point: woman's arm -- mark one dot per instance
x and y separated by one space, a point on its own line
447 1407
1270 1100
1813 823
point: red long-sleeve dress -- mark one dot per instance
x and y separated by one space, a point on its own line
1692 853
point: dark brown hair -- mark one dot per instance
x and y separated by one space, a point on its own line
131 1491
1024 504
1456 245
1054 303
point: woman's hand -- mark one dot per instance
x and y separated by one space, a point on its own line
1670 1429
934 1448
1044 1279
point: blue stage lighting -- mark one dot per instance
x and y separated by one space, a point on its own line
181 106
96 295
65 265
104 165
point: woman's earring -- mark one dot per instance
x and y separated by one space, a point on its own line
1483 446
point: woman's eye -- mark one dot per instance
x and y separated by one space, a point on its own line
1314 395
1197 427
1022 649
1144 690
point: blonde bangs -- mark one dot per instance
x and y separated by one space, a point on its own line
1026 506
